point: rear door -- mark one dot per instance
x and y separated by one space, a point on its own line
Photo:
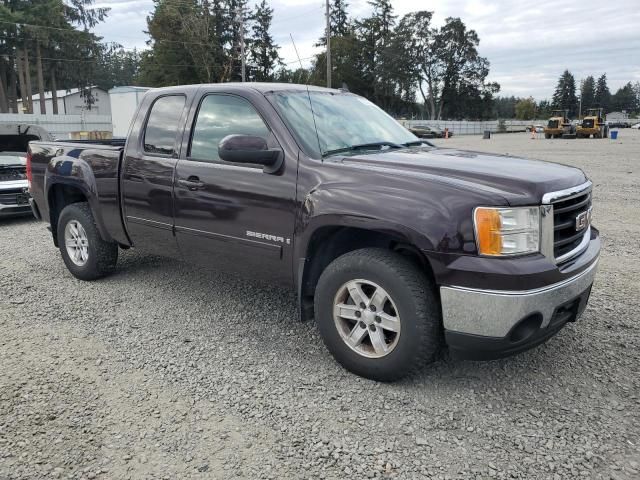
234 217
147 176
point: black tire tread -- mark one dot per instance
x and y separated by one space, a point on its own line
106 253
427 305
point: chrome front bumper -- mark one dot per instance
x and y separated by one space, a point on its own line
14 210
494 313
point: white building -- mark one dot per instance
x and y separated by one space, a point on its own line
124 102
72 102
619 119
618 116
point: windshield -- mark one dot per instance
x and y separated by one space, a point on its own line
12 158
342 121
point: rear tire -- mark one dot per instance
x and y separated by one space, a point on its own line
400 334
86 255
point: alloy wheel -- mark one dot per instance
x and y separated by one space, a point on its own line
366 318
76 242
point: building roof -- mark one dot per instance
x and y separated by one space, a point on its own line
128 88
59 93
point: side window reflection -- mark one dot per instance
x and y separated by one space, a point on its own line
219 116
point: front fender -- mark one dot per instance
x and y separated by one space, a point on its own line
436 219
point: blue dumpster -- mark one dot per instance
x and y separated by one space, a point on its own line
614 134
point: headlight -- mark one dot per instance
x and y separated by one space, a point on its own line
507 231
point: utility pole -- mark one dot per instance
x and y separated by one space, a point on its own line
328 35
580 108
240 16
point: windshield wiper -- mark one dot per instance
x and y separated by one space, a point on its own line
363 146
417 143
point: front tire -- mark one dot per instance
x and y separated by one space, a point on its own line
378 314
86 255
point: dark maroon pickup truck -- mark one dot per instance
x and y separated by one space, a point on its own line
394 246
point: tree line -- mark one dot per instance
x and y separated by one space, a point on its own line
592 93
47 45
406 65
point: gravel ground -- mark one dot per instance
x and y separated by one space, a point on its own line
160 371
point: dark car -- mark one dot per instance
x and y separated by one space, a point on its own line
14 197
394 247
427 131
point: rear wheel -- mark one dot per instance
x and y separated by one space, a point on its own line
85 253
547 135
378 314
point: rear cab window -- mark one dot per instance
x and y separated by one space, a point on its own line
163 125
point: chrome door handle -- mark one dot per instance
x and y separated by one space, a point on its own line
192 183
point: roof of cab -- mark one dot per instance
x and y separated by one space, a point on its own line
263 87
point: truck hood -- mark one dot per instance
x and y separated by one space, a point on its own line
518 180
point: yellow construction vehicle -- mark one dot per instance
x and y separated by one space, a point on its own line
559 125
593 124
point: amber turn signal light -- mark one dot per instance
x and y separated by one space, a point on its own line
488 231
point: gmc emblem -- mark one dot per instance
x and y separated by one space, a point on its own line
583 220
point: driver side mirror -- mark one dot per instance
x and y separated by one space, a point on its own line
250 149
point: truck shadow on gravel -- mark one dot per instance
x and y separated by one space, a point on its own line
9 222
194 303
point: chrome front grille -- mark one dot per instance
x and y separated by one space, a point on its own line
571 213
13 196
566 214
10 174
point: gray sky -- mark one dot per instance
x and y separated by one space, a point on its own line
529 43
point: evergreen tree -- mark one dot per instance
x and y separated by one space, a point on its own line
382 22
544 109
460 70
603 95
505 107
51 39
588 93
263 52
625 99
565 94
339 18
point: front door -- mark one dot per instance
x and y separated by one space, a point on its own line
234 217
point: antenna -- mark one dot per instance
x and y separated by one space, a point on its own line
299 61
313 115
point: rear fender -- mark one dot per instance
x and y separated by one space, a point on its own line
74 172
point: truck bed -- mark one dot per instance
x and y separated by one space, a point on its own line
80 168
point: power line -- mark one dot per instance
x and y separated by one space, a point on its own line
298 15
87 33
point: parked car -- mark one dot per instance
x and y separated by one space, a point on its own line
14 198
538 128
636 126
427 131
394 246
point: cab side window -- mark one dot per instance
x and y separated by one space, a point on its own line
163 125
219 116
